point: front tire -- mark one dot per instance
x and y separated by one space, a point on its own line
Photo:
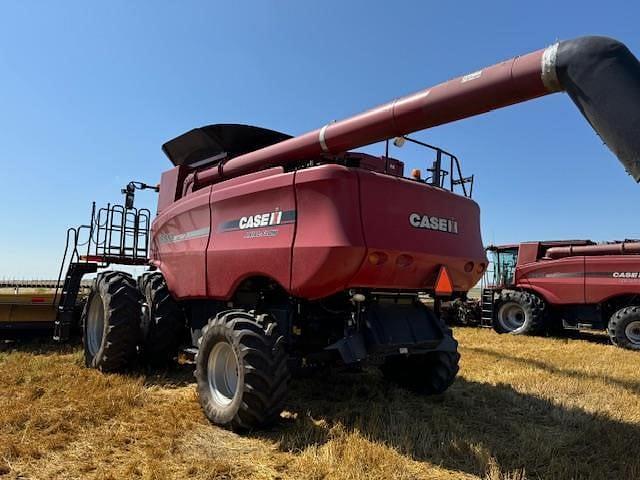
110 322
519 313
624 328
241 370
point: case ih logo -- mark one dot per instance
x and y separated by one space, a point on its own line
259 220
439 224
634 275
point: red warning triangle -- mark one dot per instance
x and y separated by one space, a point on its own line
444 285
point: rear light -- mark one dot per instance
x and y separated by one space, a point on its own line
378 258
404 260
481 267
468 267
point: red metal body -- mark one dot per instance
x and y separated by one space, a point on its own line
585 274
340 228
295 211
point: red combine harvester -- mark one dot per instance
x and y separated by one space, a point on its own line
576 284
275 252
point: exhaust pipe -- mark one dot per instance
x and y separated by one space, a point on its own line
600 75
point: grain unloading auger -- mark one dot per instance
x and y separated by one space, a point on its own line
272 252
600 74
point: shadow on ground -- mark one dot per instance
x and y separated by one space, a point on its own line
462 429
564 372
37 342
592 336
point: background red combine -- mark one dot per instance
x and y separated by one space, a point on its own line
535 287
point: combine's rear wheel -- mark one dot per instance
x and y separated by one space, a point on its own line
429 373
624 328
241 370
162 325
519 313
110 322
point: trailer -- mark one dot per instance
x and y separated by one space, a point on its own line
31 305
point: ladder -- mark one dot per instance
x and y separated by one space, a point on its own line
486 305
115 235
68 297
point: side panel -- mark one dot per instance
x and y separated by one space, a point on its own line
558 281
607 276
528 253
412 229
329 246
179 237
253 226
171 186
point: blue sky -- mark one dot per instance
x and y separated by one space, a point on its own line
89 92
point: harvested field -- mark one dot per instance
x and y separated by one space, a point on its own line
521 408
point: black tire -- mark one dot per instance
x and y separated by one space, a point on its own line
162 324
430 374
261 370
110 332
624 328
519 313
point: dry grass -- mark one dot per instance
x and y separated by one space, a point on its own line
521 408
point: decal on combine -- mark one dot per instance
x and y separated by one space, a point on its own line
164 238
631 275
447 225
259 220
617 275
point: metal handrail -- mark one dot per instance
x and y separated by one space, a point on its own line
439 176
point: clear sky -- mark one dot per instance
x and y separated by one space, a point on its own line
89 91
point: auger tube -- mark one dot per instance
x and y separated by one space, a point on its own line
622 248
600 74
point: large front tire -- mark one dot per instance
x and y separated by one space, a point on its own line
241 370
624 328
110 322
519 313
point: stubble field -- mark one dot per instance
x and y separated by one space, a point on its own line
520 408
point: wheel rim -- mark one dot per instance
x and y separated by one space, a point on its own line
222 373
95 325
632 332
511 316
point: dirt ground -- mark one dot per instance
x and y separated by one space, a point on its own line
520 408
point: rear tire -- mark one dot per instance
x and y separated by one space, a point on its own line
110 322
519 313
430 374
624 328
241 370
163 324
